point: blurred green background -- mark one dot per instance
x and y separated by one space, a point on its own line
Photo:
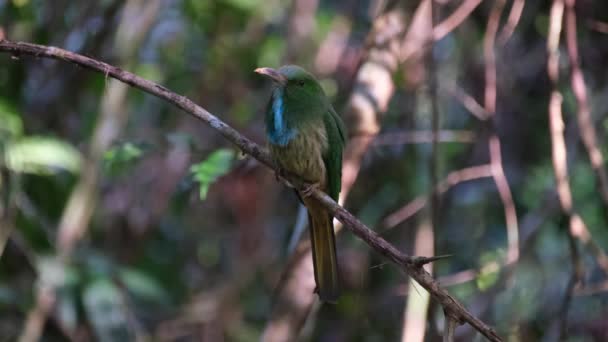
131 220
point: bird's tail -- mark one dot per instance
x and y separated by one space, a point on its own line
324 251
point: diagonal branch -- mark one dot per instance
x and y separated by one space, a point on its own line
404 261
455 19
514 17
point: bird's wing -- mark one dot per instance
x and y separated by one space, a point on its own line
340 125
333 157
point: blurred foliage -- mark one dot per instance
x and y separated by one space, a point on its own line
121 156
41 155
210 169
187 241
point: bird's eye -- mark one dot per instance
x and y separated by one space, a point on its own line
300 83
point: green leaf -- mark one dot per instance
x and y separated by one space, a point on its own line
121 156
210 169
105 310
42 155
142 285
487 276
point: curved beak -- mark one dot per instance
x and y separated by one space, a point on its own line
273 74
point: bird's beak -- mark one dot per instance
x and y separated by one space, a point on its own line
273 74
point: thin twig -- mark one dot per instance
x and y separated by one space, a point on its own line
467 101
421 261
498 172
459 15
559 154
404 261
597 25
517 9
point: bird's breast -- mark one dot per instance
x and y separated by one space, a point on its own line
303 154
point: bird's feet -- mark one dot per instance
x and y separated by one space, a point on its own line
308 189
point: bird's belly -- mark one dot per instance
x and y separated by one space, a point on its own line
303 155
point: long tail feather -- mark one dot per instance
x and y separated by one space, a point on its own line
324 252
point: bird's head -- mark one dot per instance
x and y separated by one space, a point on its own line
296 84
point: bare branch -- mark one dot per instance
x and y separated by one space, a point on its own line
559 153
404 261
498 172
597 25
467 101
459 15
514 16
421 261
450 325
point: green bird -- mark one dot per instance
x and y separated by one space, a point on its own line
306 137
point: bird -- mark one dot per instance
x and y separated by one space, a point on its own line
306 137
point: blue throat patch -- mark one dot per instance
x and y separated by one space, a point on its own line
279 132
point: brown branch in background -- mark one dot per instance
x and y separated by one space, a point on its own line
455 19
452 179
36 318
467 101
405 262
498 172
559 155
449 328
585 123
417 42
77 214
417 307
517 8
597 25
